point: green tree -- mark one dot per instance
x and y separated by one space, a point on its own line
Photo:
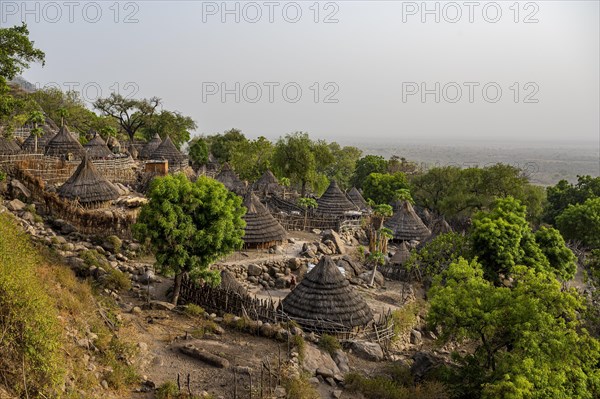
222 145
564 194
251 158
343 165
561 259
190 225
198 151
294 158
131 114
36 118
167 123
17 51
528 339
365 166
383 188
581 222
307 203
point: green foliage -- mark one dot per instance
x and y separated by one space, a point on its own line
436 255
564 194
190 225
383 188
30 338
191 309
131 114
300 388
386 387
299 343
458 193
2 176
562 260
581 222
365 166
307 202
168 123
329 343
222 145
295 158
522 334
343 165
405 318
115 280
17 51
198 151
250 159
167 390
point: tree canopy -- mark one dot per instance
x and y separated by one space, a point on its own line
17 51
385 188
131 114
365 166
581 222
190 225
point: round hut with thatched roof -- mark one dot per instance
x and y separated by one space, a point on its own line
64 146
267 184
231 180
401 256
406 225
88 186
325 295
357 199
334 202
151 146
167 151
28 145
97 148
8 146
262 229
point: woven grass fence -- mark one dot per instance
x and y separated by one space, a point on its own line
221 301
92 222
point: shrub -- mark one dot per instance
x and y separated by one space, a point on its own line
382 387
299 344
2 176
405 318
194 310
300 388
116 280
329 343
167 390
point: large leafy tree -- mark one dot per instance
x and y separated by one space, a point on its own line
365 166
198 151
384 188
564 194
561 259
343 164
131 114
581 222
190 225
167 123
528 339
251 158
294 158
222 145
17 51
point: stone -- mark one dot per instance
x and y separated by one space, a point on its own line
281 283
314 359
352 267
159 305
336 394
254 270
367 350
423 363
323 372
294 264
291 240
15 205
280 392
324 249
379 279
104 384
335 237
415 337
143 346
19 190
341 359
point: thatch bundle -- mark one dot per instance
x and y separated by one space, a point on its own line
149 148
230 179
262 229
64 145
401 255
88 186
97 148
325 295
267 184
8 146
334 202
406 224
167 151
357 199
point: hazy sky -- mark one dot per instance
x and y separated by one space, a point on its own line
361 66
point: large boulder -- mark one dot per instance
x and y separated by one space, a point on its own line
315 359
367 350
423 363
352 267
379 280
15 205
254 270
18 190
341 360
336 239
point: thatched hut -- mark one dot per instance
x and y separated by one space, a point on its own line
401 255
64 145
151 146
230 283
230 179
406 225
28 145
440 226
334 202
267 184
88 186
133 152
8 146
357 199
262 229
212 165
97 148
324 294
167 150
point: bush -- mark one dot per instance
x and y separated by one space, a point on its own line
329 343
167 390
194 310
299 344
2 176
405 318
116 280
300 388
383 387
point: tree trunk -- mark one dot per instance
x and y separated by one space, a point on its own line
36 145
303 193
177 288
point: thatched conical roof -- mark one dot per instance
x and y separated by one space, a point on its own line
29 143
406 224
401 255
229 283
440 226
87 185
63 144
261 226
132 151
357 199
151 146
167 150
230 179
334 202
97 148
8 146
325 294
267 184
